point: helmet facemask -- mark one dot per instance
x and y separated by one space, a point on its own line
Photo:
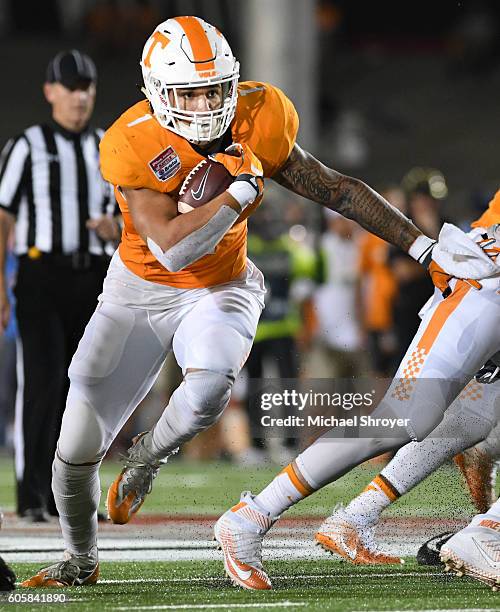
194 126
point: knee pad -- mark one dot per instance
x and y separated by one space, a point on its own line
207 393
82 438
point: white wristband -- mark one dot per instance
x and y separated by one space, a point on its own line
421 249
243 192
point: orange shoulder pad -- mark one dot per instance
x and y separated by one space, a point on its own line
137 152
267 121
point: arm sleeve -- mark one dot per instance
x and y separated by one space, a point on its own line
13 161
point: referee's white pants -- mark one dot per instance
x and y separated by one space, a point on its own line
127 340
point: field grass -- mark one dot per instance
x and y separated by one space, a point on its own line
308 585
185 488
208 488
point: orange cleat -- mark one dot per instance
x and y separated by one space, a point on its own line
239 532
72 571
353 543
127 493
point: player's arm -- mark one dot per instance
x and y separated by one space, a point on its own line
179 240
304 174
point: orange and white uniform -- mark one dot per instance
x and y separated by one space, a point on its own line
456 337
136 152
206 313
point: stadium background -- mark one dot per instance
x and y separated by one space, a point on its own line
381 89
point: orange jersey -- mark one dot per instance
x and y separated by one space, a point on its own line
137 152
491 216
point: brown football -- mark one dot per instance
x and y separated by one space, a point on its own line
206 180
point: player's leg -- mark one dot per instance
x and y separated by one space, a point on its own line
468 420
478 467
115 365
211 345
456 337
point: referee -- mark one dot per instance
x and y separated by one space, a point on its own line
51 189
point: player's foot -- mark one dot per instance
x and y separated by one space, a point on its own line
72 571
478 470
428 553
338 534
239 532
127 493
475 551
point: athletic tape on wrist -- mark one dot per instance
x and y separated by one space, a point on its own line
243 191
421 250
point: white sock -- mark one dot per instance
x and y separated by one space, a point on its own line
366 508
287 488
77 493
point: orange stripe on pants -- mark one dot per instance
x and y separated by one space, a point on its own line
441 315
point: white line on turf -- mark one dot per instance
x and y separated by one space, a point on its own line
292 577
226 606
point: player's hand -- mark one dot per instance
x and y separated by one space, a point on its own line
240 161
459 255
105 227
441 279
4 310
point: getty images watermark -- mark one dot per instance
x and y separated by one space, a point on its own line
298 400
295 408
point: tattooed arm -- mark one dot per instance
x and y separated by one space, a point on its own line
305 175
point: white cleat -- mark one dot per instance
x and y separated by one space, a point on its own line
239 532
353 543
475 551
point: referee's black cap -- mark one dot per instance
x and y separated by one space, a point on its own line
71 69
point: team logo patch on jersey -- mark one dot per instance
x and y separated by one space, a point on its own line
166 164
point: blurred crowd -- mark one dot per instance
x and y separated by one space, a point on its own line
341 303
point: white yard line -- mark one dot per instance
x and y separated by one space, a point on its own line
227 606
291 577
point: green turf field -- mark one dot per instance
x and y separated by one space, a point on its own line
209 488
308 585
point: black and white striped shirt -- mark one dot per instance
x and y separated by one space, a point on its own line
50 180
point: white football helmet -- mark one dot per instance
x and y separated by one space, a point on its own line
188 52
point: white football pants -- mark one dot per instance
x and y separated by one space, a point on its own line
456 337
127 340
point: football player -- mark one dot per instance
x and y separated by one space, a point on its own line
459 332
182 282
470 420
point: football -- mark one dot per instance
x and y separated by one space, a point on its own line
206 180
